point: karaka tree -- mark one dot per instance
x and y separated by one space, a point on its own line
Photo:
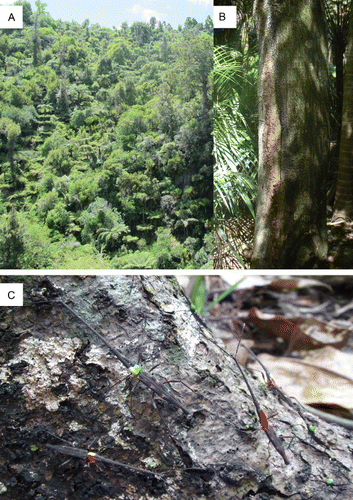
290 227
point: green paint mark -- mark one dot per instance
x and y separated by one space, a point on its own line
135 370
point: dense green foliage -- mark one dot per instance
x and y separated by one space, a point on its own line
235 75
235 133
105 144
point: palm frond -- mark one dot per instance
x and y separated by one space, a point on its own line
235 141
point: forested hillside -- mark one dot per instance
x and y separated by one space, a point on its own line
105 144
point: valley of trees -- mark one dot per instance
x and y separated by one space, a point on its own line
283 136
105 144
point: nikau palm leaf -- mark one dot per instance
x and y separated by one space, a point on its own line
234 141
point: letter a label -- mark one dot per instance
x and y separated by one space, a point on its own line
11 17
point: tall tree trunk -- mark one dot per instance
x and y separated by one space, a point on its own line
339 49
10 154
290 228
36 42
343 207
204 95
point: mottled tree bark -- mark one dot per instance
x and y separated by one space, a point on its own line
54 376
290 228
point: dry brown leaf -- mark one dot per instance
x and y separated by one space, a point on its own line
292 284
299 333
323 378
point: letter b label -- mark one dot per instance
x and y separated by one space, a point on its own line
224 16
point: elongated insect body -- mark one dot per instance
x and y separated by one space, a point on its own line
136 371
277 443
265 425
161 391
94 457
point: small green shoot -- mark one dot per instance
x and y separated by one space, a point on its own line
135 370
198 295
34 447
312 429
330 482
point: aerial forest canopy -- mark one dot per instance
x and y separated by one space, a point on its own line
283 136
105 144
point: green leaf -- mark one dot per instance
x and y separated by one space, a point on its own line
198 294
222 296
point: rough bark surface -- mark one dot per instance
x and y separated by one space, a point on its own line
290 227
54 376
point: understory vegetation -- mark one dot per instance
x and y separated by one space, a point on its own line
105 144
